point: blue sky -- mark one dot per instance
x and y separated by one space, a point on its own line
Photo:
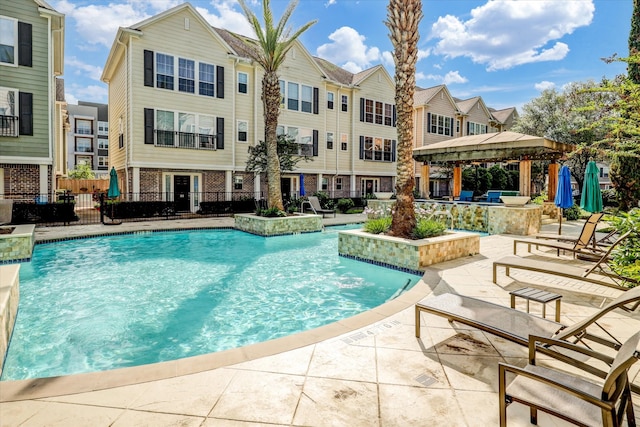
506 51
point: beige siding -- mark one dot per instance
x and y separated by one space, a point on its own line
117 115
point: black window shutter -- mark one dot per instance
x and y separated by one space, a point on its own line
393 150
468 123
148 68
361 147
362 110
428 122
220 133
315 142
148 125
24 44
395 116
451 133
25 121
316 92
220 83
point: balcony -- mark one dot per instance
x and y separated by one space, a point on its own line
8 126
194 141
84 131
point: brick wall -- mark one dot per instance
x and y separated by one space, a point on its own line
23 179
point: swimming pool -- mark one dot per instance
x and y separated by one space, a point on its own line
109 302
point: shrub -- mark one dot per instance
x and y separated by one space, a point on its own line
540 198
626 257
573 213
428 228
344 205
271 212
325 201
378 225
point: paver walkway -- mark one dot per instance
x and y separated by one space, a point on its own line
365 371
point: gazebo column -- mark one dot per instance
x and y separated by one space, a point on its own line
457 180
553 181
525 177
424 181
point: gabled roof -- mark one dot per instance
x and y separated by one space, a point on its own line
504 114
467 104
335 73
423 96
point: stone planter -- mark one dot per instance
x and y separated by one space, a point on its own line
406 254
278 226
523 221
18 245
9 298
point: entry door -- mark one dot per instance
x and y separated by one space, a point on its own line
369 186
181 187
285 187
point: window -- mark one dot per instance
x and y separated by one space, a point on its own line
301 136
237 182
8 112
345 103
457 127
282 92
307 98
325 184
103 143
206 79
377 149
186 130
103 128
84 160
329 140
83 145
164 75
243 82
206 126
378 113
368 110
388 115
344 141
103 162
186 75
441 125
338 183
164 128
84 127
292 96
8 40
476 128
330 98
243 127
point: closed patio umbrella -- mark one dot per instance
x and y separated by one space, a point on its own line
564 194
114 190
302 192
591 198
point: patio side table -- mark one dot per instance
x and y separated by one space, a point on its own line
536 295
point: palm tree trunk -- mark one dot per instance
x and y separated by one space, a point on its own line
403 19
271 103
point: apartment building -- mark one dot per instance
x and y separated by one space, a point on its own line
88 137
185 105
31 56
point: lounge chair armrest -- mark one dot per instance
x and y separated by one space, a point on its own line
503 368
551 342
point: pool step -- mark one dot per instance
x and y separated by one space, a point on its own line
546 219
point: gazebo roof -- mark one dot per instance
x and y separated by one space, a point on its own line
492 147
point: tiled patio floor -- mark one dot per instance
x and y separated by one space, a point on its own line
366 371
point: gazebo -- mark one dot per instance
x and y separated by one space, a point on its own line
493 147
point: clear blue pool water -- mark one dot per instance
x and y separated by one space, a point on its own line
111 302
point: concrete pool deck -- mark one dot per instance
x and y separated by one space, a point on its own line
363 371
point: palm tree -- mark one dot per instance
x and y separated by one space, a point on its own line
269 50
403 17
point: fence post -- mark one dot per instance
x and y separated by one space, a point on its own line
102 207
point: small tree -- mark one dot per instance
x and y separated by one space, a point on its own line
82 172
287 155
499 177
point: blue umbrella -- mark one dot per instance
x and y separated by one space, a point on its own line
302 185
564 193
591 199
114 190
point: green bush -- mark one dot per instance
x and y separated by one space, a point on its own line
626 257
428 228
625 177
271 212
540 198
344 205
378 225
324 199
355 211
573 213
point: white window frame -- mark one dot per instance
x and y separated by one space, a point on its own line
103 161
194 188
15 108
344 103
168 64
201 81
339 183
183 75
344 142
238 182
15 42
79 120
330 100
82 139
240 124
306 99
103 143
330 140
293 96
243 76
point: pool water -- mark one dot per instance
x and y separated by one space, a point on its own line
110 302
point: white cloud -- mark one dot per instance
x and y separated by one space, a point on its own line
504 34
90 93
544 85
81 68
227 17
347 49
330 2
451 77
423 53
70 98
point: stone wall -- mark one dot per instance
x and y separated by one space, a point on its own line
278 226
9 298
523 221
412 255
17 246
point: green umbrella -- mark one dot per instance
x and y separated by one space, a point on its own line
591 199
114 190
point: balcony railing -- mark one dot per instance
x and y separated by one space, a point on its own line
8 126
84 131
196 141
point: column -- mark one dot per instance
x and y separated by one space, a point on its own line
135 183
228 185
457 180
525 177
553 181
424 181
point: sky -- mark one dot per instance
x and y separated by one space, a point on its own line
506 51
